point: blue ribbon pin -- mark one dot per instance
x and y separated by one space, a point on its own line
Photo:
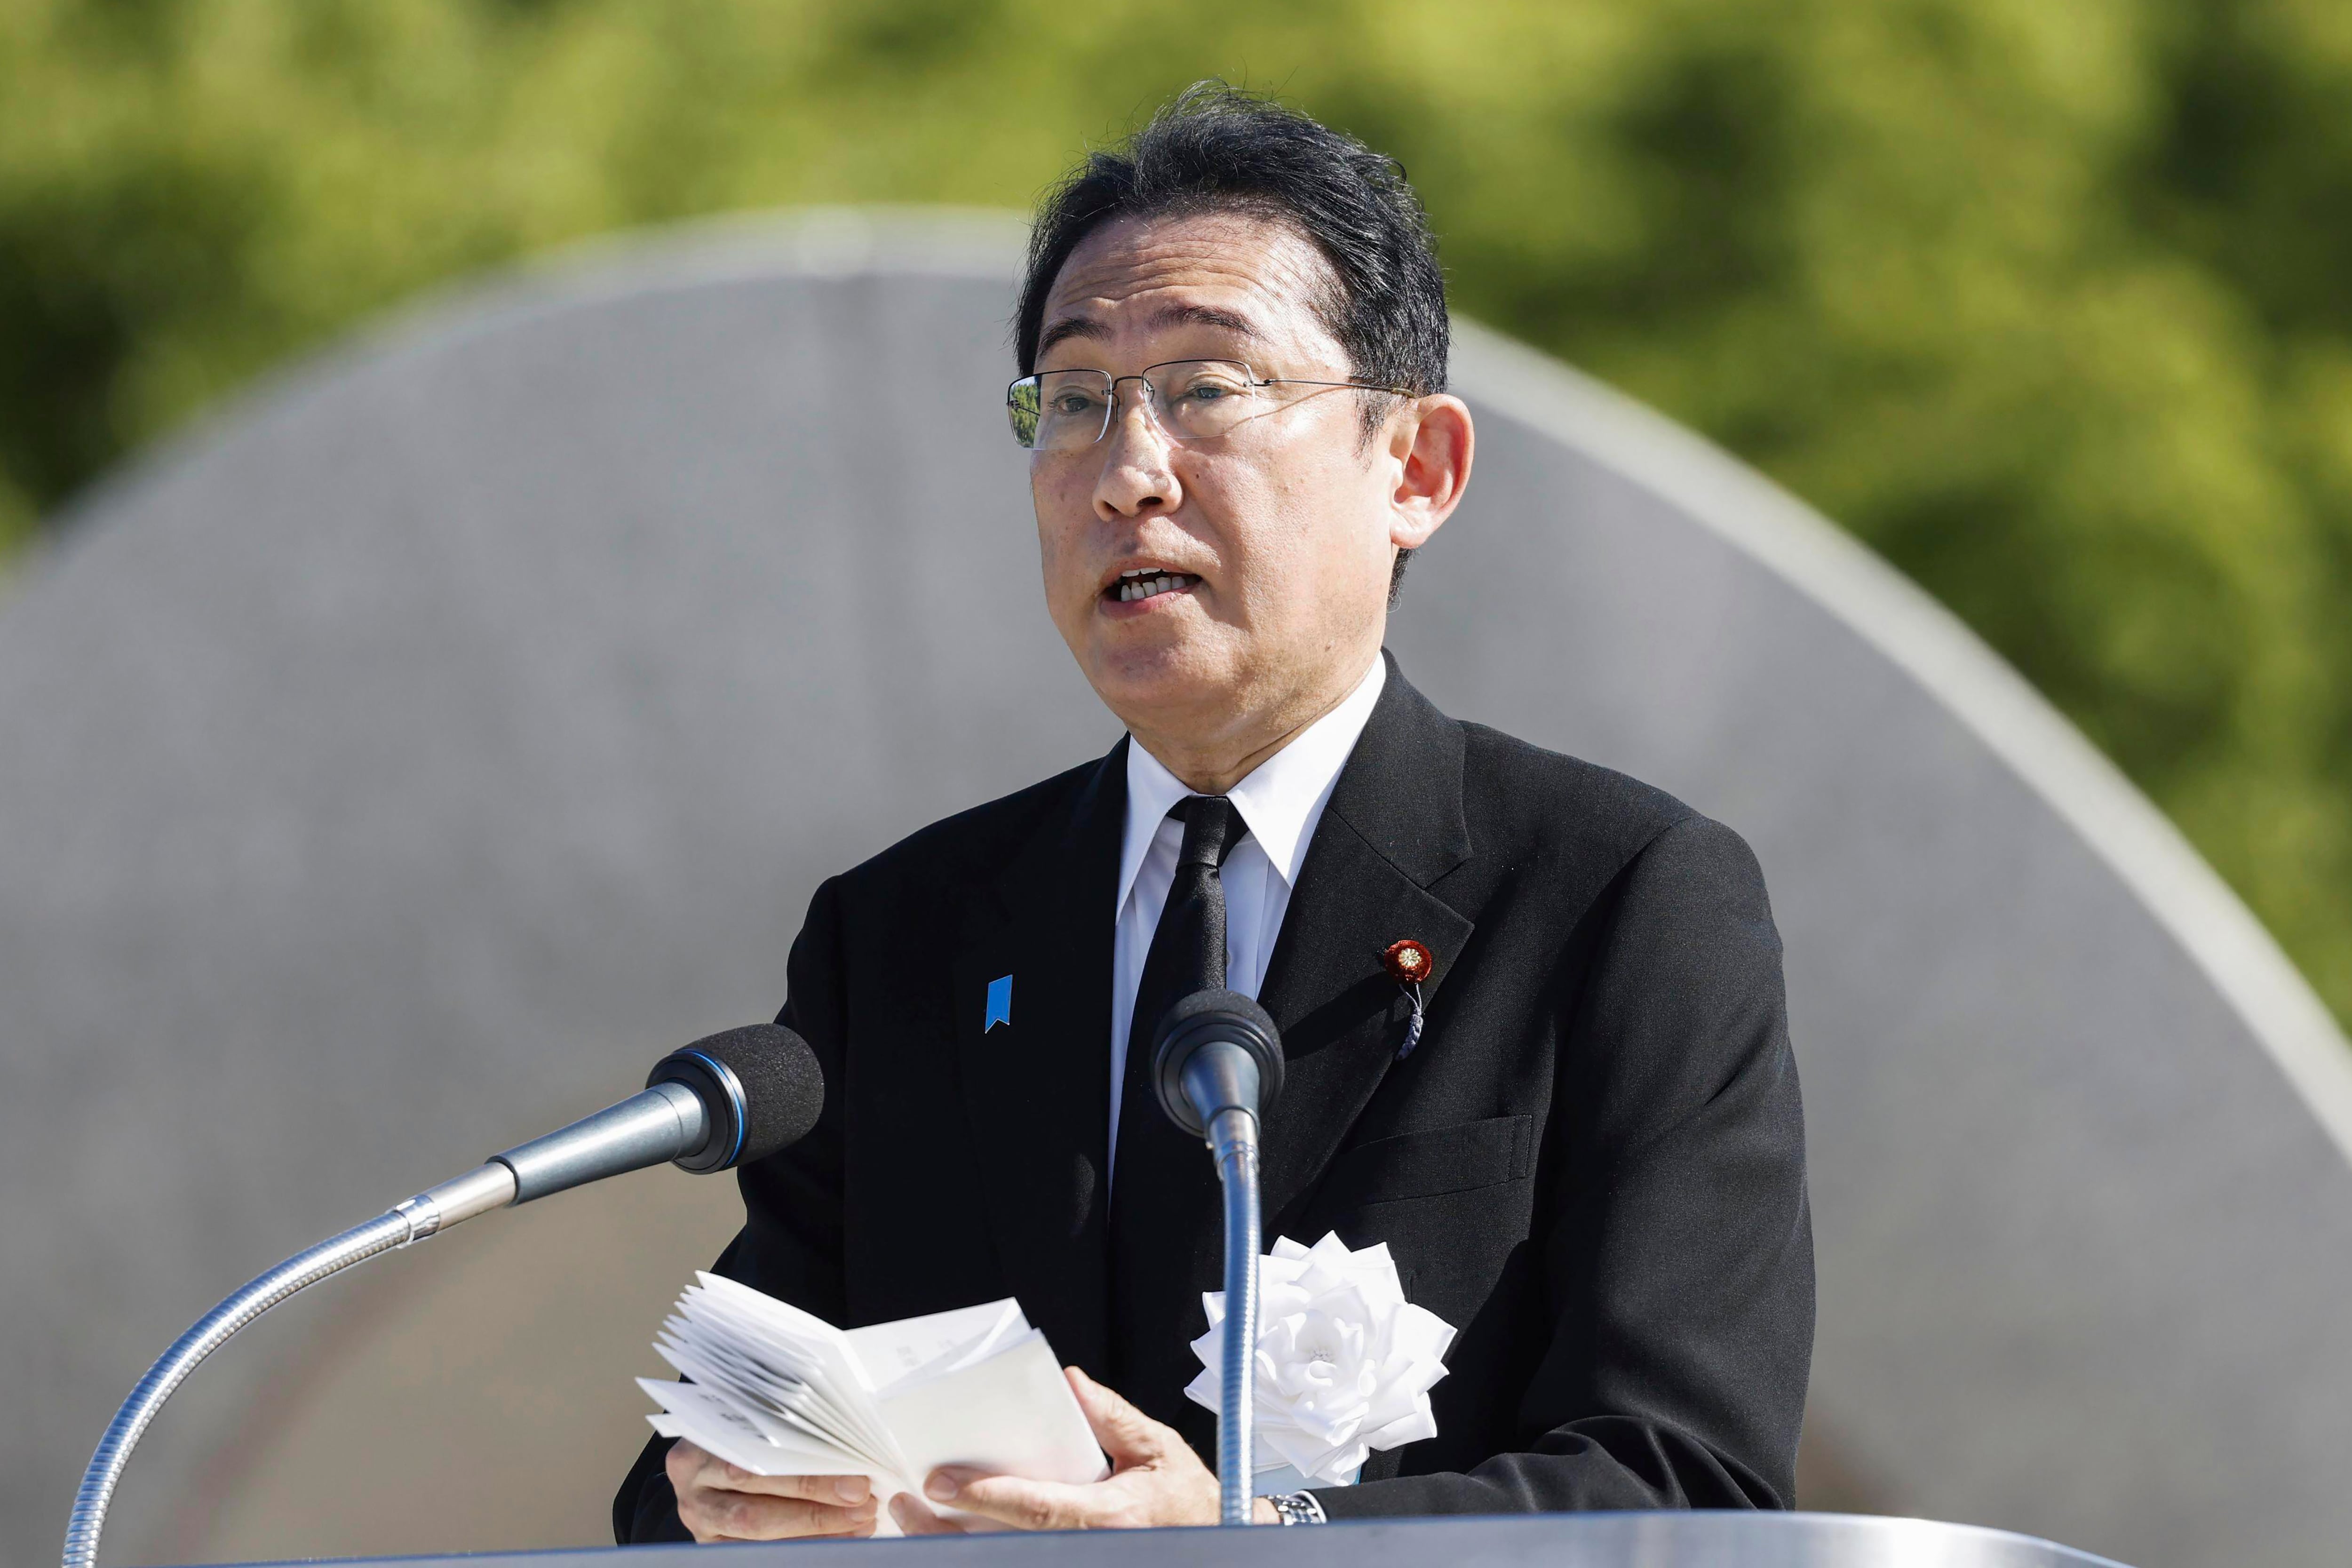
1000 1003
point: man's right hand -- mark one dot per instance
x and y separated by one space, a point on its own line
719 1502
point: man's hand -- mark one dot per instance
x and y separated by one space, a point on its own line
1155 1479
717 1501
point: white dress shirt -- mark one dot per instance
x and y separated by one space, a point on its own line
1282 800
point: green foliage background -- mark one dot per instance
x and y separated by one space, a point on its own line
2051 303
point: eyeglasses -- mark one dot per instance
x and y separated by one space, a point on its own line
1192 400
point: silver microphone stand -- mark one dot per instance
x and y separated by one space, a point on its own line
478 1191
644 1129
1233 1138
1218 1066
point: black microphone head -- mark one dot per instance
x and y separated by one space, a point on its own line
1203 1018
761 1085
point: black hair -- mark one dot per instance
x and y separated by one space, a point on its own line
1214 148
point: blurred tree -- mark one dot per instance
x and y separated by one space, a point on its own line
2047 303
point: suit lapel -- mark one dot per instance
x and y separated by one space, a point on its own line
1394 825
1039 1086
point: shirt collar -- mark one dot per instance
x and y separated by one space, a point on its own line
1282 798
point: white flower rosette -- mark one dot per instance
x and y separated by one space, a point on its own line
1345 1364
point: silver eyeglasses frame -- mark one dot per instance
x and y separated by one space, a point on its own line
1025 418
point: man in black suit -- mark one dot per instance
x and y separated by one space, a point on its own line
1590 1160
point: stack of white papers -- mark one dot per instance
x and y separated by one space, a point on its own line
779 1393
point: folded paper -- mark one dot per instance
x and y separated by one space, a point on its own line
1344 1363
781 1392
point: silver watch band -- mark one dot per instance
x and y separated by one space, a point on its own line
1298 1508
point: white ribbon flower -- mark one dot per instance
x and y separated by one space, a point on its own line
1345 1364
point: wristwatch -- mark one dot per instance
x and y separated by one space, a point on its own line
1296 1508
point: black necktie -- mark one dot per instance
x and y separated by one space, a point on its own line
1187 949
1163 1184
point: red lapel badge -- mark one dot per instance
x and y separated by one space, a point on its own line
1408 962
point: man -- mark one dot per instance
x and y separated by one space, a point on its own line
1590 1160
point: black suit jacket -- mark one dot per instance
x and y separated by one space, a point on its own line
1593 1165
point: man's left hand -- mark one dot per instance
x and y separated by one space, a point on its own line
1155 1479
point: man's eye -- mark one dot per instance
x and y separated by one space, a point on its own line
1071 405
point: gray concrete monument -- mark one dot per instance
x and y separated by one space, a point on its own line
397 764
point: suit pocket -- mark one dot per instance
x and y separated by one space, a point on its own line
1428 1164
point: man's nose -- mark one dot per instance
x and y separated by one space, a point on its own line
1137 474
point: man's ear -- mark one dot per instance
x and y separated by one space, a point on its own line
1431 444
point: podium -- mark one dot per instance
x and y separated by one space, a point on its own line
1694 1540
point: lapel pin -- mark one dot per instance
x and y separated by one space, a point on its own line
1000 1004
1408 962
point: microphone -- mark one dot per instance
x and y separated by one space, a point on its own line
1217 1066
1216 1051
710 1106
715 1104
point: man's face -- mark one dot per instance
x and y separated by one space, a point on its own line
1270 546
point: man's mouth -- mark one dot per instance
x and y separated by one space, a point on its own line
1146 582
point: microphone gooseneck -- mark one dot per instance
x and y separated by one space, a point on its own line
1217 1068
737 1096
